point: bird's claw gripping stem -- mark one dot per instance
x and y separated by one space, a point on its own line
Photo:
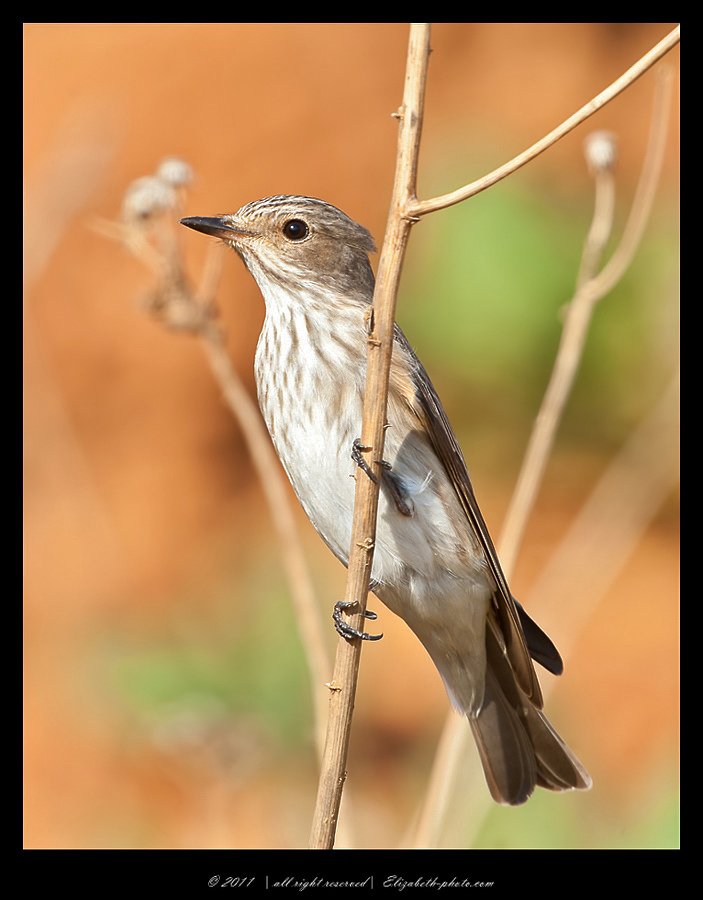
345 629
357 449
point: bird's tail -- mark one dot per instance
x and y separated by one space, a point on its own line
518 747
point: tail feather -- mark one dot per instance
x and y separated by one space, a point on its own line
504 746
540 645
519 749
557 767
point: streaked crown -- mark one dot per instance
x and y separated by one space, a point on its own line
298 242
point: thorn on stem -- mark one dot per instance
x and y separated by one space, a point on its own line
367 544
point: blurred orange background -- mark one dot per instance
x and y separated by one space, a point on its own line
166 696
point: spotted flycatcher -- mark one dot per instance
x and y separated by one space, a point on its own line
434 562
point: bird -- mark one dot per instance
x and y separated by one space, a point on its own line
434 562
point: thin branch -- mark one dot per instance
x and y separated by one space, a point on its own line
211 274
577 321
454 737
591 554
646 188
380 345
150 237
601 157
422 207
590 287
311 630
604 534
262 455
627 496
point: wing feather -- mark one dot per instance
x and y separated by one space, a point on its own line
430 411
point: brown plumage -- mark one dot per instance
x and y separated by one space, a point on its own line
434 562
517 745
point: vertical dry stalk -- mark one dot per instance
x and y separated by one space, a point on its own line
605 532
153 242
577 321
454 737
275 491
627 496
591 287
264 459
380 346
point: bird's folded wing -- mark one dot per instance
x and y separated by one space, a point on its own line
429 410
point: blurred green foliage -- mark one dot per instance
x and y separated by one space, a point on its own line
481 297
252 665
558 822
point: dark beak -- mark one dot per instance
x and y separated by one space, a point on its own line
217 227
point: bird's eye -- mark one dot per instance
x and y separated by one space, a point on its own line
296 230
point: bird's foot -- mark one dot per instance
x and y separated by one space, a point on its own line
345 629
393 483
357 449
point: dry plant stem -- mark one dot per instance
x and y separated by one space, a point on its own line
646 188
628 495
576 324
165 262
601 227
263 457
606 531
422 207
590 288
591 554
136 242
275 490
181 306
454 735
310 626
380 346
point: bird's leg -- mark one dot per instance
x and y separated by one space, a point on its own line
345 629
399 495
357 449
394 484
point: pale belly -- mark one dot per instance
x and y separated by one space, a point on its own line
426 567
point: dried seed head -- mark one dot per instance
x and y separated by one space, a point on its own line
175 172
601 150
147 197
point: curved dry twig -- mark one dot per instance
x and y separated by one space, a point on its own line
275 490
423 207
148 235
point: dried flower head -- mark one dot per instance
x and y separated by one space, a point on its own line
146 197
601 151
175 172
